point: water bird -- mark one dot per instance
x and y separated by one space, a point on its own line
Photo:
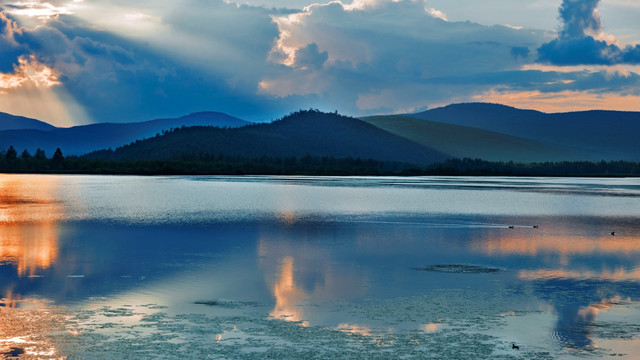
535 226
511 227
613 233
515 347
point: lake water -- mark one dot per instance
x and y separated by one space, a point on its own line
104 267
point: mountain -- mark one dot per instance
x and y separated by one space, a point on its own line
79 140
463 141
593 135
302 133
12 122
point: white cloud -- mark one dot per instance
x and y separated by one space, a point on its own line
435 13
39 9
391 56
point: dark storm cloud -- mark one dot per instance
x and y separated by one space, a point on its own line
10 49
576 44
579 17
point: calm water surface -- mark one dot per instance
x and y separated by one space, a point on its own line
101 267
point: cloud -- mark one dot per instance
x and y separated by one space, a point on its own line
124 61
581 40
29 72
435 13
520 51
388 57
11 50
580 18
202 58
41 10
310 57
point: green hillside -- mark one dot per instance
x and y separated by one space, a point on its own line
463 141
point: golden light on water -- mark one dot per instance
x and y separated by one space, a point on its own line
355 329
615 275
29 199
288 296
29 236
25 331
560 242
30 245
432 327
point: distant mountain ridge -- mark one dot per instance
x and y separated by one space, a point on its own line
475 130
595 134
82 139
297 135
468 142
13 122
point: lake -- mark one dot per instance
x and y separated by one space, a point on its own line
128 267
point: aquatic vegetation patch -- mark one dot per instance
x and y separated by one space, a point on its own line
225 303
443 324
254 335
459 269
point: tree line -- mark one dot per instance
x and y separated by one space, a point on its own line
192 163
10 161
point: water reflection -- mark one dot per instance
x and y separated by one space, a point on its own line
557 240
28 198
576 323
29 236
29 212
30 247
612 275
576 266
297 259
288 296
24 330
301 270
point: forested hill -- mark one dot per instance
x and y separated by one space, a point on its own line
309 132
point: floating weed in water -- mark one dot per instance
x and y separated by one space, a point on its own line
442 324
253 335
459 269
225 303
111 312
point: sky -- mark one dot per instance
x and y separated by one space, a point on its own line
73 62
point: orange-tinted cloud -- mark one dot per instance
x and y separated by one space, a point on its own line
562 101
29 72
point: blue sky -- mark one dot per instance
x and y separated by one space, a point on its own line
73 62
